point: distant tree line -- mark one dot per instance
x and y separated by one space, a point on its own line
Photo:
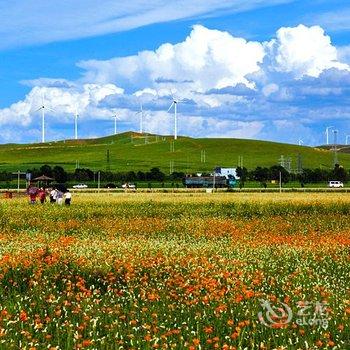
259 174
85 175
264 175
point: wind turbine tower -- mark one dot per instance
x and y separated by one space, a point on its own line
141 118
327 133
43 108
347 139
115 116
335 160
76 116
174 104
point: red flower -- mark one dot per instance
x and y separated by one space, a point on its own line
23 316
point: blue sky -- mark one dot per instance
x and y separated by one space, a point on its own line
266 69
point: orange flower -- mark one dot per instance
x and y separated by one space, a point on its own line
196 341
238 298
319 343
230 322
147 337
23 316
86 343
208 330
234 335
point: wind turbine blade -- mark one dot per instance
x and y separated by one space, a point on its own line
37 110
50 109
171 106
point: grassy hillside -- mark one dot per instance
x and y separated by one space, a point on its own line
132 151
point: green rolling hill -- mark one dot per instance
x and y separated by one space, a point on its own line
133 151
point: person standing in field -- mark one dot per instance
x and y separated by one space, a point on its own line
59 197
42 195
68 198
53 195
32 193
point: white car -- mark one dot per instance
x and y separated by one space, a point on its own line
335 184
80 186
131 186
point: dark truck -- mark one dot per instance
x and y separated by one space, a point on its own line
208 181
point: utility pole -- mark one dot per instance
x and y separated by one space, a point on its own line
18 173
203 156
282 161
280 175
300 164
335 158
240 161
289 164
98 181
108 167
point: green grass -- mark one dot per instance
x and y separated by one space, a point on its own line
132 151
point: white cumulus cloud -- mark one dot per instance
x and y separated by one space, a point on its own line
231 87
62 102
206 59
304 51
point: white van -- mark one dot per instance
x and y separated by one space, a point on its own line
335 184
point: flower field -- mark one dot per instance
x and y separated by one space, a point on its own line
176 271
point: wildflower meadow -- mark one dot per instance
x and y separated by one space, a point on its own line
176 271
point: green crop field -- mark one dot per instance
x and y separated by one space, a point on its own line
132 151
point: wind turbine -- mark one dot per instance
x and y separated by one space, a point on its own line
346 139
115 116
43 108
174 104
301 142
327 133
141 117
76 116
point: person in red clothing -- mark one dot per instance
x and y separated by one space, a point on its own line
32 193
42 195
